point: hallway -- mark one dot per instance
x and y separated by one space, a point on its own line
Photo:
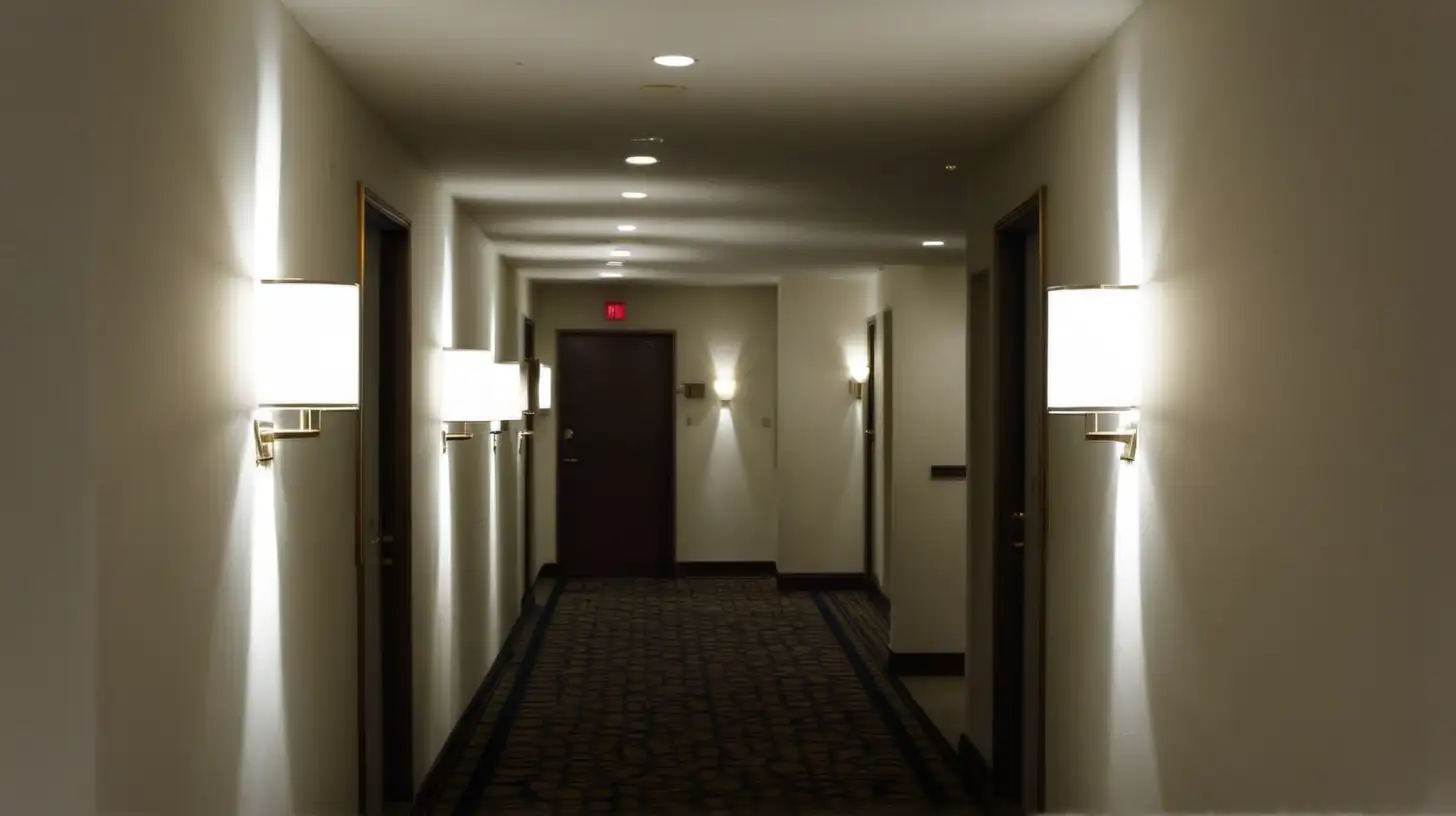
710 694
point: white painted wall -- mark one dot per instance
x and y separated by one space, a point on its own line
821 329
47 509
1255 615
725 476
926 544
486 556
226 619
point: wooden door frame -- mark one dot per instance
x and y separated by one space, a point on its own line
1033 714
528 469
366 202
871 428
671 335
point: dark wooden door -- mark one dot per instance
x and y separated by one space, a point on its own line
1017 562
616 458
395 430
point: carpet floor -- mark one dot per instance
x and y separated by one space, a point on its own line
716 695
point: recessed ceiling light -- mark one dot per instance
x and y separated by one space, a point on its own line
621 253
610 274
642 160
614 263
932 243
626 228
674 61
634 195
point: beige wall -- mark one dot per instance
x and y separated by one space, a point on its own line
725 473
47 589
227 611
821 325
1246 618
926 543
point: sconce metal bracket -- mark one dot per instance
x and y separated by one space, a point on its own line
447 436
1127 435
266 434
856 389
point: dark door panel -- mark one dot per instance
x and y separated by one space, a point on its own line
616 454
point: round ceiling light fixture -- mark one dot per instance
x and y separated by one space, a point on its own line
621 253
642 160
614 263
634 195
932 243
626 228
610 274
674 60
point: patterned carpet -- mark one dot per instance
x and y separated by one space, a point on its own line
700 695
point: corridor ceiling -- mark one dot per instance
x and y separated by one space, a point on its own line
811 136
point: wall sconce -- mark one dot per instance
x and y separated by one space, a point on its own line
726 388
1094 359
466 397
858 376
309 356
543 385
542 405
543 390
505 393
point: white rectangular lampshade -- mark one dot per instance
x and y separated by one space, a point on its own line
1094 349
308 344
543 388
505 393
466 395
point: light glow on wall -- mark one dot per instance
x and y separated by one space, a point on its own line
264 783
1132 783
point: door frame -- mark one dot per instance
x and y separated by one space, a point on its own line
871 427
528 464
559 410
368 202
1033 635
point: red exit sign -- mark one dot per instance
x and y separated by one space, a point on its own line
616 310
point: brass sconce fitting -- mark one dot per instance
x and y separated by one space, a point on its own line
266 434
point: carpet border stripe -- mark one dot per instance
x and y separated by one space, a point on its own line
891 718
942 743
501 731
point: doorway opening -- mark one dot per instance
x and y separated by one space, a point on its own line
386 733
615 473
1018 297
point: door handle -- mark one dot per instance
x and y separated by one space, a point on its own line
1020 520
570 460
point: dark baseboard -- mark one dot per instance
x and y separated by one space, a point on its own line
820 581
459 737
878 596
978 773
927 664
726 569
